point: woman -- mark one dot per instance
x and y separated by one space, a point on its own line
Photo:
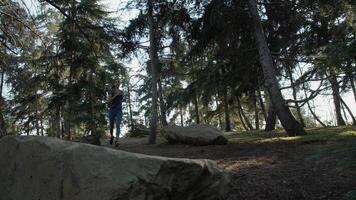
115 110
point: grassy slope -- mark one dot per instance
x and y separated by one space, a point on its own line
325 151
319 165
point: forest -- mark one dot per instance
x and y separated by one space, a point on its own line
238 65
276 78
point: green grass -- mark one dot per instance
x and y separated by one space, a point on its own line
332 143
351 195
320 134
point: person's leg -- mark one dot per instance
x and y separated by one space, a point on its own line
118 119
111 124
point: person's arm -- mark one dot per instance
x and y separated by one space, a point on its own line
111 98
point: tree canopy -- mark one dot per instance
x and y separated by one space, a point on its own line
237 65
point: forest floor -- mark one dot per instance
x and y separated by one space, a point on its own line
319 165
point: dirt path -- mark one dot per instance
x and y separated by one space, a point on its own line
268 170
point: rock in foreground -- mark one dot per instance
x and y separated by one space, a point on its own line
34 168
198 134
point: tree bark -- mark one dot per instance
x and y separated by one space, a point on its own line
271 118
62 123
294 91
241 119
162 106
58 122
344 112
2 80
2 121
247 122
130 106
226 110
27 128
196 108
351 77
219 116
349 111
36 104
68 127
353 88
3 131
314 115
263 108
257 120
181 115
289 123
92 102
42 128
154 61
336 94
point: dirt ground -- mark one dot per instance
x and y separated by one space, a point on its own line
270 166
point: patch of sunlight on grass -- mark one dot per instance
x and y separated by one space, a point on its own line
347 133
244 138
229 134
321 134
281 139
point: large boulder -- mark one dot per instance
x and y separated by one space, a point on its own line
42 168
199 134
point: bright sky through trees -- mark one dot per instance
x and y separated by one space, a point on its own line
323 103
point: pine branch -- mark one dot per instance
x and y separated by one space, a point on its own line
19 20
75 22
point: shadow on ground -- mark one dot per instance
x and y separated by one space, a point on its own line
319 165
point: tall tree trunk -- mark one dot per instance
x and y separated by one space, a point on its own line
63 121
27 128
309 107
2 121
69 116
344 112
36 104
353 88
290 124
271 118
241 119
314 115
42 128
350 75
2 102
294 91
58 120
348 110
263 108
162 106
2 80
226 110
181 115
92 102
219 115
196 108
130 106
247 122
154 62
336 94
257 120
68 126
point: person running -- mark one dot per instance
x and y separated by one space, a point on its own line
115 110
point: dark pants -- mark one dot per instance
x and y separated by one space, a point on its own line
115 116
